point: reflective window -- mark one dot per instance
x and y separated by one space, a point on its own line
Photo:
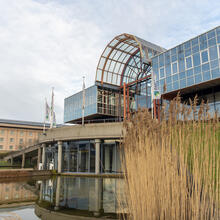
182 75
168 70
196 59
161 60
206 76
214 64
175 77
162 73
168 80
176 85
188 62
182 83
215 73
204 56
213 53
174 67
195 41
212 42
205 67
211 34
189 73
198 78
190 81
197 70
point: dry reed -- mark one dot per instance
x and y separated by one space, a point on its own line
172 166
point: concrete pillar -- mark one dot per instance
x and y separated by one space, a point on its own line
38 157
57 202
97 155
59 156
23 160
107 158
44 156
114 159
98 197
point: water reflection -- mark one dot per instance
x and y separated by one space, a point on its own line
81 196
31 199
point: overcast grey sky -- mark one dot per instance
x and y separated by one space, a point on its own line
53 43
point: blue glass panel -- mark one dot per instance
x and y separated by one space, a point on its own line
182 75
205 56
197 70
180 49
180 56
187 45
195 49
215 73
182 83
205 67
176 85
168 80
202 38
167 58
218 30
175 77
188 62
190 81
206 76
161 60
174 67
168 70
154 61
169 87
214 64
155 69
195 41
189 73
196 59
203 45
174 58
198 78
211 34
212 42
213 53
173 51
162 82
181 65
188 52
218 39
162 73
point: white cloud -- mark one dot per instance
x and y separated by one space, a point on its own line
45 43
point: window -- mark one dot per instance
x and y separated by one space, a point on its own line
11 132
1 139
196 59
21 141
161 73
21 133
174 67
205 56
2 131
30 133
1 147
30 141
188 62
10 147
11 140
213 53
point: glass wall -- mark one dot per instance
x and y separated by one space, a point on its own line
73 104
188 64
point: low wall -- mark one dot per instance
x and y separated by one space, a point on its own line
13 173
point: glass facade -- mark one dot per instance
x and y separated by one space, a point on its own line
188 64
79 156
73 104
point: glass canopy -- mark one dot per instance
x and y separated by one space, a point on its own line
125 59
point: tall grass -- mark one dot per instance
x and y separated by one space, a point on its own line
172 166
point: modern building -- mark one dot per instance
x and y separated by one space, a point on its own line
16 135
123 83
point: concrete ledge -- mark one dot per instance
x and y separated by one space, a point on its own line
103 175
14 173
45 214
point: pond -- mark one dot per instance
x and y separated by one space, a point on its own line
61 197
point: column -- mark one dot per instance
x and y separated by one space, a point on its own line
107 158
97 155
44 156
98 208
23 160
38 157
59 156
57 202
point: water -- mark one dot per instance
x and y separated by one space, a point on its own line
59 197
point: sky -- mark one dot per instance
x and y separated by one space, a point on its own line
54 43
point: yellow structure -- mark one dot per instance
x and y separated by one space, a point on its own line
16 135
